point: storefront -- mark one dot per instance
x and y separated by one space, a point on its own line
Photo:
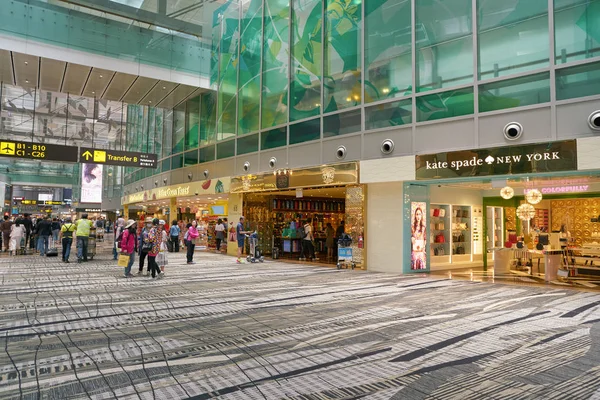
512 208
277 204
204 201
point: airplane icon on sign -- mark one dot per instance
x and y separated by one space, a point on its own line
7 148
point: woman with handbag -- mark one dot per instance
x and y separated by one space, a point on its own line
143 247
152 246
190 240
164 248
128 245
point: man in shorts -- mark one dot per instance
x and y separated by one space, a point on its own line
241 238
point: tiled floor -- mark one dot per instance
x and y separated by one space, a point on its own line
274 330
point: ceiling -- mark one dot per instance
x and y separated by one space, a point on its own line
32 72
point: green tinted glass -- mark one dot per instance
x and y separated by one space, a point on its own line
192 114
275 63
452 103
226 149
228 27
191 158
518 92
206 154
342 124
305 87
341 70
247 144
177 161
576 29
249 69
167 133
389 114
305 131
207 118
273 138
512 38
578 81
387 49
178 128
166 165
158 136
444 43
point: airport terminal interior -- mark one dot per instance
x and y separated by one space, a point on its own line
300 199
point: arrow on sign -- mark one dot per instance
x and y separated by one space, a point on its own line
87 155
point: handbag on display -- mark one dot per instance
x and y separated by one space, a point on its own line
440 238
442 212
436 212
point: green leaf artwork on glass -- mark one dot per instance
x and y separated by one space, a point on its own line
305 85
276 54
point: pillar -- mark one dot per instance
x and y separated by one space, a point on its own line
173 209
234 212
126 211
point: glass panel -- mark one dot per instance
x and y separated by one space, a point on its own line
191 158
151 130
247 144
449 104
501 25
206 154
226 149
307 53
168 133
576 29
388 114
228 26
177 161
17 113
305 131
341 69
387 49
444 43
249 78
158 137
192 114
275 63
579 81
80 120
273 138
342 124
178 128
207 118
166 165
518 92
50 117
108 132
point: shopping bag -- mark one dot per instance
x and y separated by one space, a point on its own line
162 260
123 260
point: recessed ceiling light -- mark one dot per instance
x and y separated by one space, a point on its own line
93 92
26 80
100 76
164 87
26 63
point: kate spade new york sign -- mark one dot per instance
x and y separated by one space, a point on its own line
541 157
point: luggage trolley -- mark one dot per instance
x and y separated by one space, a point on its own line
345 252
255 255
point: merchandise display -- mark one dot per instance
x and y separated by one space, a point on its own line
439 230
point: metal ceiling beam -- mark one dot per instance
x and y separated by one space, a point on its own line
137 14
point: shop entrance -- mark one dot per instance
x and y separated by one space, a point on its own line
278 216
542 228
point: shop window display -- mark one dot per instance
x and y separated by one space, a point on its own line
439 232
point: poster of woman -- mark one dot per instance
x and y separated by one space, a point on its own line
418 259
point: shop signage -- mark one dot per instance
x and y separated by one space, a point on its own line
38 151
114 157
562 189
299 193
532 158
210 186
330 175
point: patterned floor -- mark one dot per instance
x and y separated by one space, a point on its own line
273 331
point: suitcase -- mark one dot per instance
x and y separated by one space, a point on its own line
169 246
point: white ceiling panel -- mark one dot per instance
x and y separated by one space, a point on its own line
118 86
180 93
51 75
140 88
26 70
158 93
6 70
75 78
97 82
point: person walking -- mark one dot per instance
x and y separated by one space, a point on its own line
144 252
153 245
241 238
25 221
66 233
329 232
129 245
190 240
55 229
219 233
174 236
120 225
17 233
161 259
83 227
44 231
307 242
6 228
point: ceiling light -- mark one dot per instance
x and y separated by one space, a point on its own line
533 196
507 192
100 76
525 212
26 63
164 87
26 80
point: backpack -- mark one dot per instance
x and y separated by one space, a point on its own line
302 232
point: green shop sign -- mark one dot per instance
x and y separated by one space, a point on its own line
509 160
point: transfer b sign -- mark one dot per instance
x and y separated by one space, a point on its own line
533 158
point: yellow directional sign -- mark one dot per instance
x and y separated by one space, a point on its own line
115 157
37 151
7 148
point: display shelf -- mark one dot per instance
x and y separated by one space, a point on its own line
461 230
495 228
439 232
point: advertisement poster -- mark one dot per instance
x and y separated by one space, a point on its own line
418 238
91 183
